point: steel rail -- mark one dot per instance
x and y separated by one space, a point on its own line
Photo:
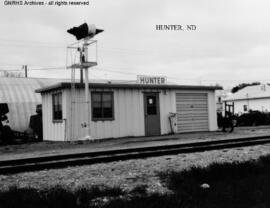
78 159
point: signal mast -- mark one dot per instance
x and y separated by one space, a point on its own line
85 33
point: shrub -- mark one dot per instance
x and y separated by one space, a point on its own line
55 197
238 184
253 118
244 184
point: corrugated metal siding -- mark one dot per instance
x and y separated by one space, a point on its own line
20 95
128 114
78 115
192 112
54 131
212 111
167 105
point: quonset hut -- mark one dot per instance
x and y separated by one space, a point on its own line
19 94
122 110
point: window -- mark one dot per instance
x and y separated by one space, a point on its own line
102 106
151 105
245 107
57 106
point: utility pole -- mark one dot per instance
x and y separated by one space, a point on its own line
25 71
82 59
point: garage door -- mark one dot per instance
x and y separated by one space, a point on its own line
192 112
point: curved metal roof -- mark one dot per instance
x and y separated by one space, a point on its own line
20 95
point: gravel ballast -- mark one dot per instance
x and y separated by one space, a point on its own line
131 173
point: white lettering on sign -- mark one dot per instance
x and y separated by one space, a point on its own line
151 80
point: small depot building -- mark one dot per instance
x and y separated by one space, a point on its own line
126 110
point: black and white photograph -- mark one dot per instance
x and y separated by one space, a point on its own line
134 104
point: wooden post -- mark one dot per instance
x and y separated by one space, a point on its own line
87 91
25 71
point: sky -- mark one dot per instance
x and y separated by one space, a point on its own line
231 43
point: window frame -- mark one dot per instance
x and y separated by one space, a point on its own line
150 106
56 94
112 104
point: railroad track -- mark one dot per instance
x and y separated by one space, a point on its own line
61 161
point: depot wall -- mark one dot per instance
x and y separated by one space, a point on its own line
54 131
128 114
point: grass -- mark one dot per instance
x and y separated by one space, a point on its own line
234 185
56 197
245 184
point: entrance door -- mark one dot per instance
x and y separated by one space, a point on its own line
151 114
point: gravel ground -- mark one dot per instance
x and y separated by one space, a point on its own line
129 174
56 148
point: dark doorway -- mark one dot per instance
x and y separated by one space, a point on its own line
151 114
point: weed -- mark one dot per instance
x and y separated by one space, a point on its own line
234 185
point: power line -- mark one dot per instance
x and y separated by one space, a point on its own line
49 68
33 69
30 46
28 41
64 44
11 64
135 73
128 51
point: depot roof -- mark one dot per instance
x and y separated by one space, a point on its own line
67 85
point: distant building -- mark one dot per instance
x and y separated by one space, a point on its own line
19 94
256 98
220 97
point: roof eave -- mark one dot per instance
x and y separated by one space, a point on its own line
63 85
